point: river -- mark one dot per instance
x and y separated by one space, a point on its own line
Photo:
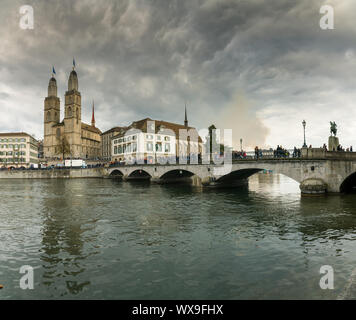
107 239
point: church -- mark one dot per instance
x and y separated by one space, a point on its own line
71 136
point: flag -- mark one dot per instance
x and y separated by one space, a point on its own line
53 71
73 62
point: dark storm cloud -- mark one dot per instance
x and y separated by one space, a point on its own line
258 67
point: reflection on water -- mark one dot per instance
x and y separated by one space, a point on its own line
106 239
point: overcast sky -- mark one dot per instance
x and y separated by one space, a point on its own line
257 67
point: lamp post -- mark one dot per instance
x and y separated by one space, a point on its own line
241 144
304 124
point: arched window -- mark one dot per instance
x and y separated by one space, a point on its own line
69 111
77 114
48 116
58 133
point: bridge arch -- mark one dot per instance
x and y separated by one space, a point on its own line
238 174
177 173
348 185
116 173
244 173
139 174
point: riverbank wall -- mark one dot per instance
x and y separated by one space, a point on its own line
53 174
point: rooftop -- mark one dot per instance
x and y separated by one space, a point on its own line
114 129
90 128
16 134
160 126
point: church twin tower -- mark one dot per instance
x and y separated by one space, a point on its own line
70 137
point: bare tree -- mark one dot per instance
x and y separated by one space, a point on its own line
63 147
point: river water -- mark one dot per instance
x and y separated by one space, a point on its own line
106 239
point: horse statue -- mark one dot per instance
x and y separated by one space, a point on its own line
333 128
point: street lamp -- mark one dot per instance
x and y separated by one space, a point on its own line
304 123
241 144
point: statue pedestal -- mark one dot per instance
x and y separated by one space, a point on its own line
333 143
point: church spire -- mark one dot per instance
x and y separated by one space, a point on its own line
93 117
185 116
52 85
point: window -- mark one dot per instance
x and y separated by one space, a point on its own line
128 149
166 138
134 147
115 150
158 147
149 136
149 146
159 138
120 149
167 147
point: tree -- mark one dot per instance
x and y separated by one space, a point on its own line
63 147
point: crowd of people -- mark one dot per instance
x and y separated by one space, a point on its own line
339 148
280 152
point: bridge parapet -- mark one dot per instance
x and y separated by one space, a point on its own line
320 153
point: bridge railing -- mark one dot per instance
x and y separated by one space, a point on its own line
320 153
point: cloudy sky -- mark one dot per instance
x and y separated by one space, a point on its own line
257 67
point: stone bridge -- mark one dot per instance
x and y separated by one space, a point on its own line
313 175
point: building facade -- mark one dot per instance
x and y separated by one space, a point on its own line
18 150
106 137
155 141
71 136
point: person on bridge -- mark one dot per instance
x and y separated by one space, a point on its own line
256 152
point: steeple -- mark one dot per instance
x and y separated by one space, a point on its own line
52 86
73 79
93 117
185 116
